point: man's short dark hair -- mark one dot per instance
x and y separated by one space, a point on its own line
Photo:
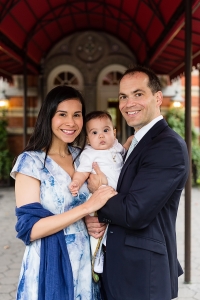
154 82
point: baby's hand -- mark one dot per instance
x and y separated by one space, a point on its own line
74 187
128 142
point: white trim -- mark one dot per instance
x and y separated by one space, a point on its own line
64 68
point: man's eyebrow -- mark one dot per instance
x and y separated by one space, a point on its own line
133 92
136 91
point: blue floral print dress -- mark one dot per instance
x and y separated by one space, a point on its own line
55 197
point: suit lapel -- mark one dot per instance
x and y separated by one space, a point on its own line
144 142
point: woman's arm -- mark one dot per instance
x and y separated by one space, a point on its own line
27 190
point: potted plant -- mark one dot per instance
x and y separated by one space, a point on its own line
6 157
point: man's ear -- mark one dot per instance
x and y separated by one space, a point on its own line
159 98
115 132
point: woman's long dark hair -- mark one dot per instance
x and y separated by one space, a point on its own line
41 137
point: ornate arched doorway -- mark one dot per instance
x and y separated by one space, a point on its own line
107 96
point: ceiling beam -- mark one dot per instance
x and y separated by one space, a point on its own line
19 52
165 38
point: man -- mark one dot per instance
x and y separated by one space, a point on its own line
141 255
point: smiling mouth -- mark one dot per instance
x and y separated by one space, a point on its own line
68 132
132 113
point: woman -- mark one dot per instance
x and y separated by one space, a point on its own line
49 217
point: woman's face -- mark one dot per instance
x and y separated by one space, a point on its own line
67 122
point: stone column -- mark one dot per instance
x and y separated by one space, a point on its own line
90 97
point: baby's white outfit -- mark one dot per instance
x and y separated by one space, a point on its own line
110 162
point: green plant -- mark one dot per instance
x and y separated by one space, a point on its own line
6 157
176 120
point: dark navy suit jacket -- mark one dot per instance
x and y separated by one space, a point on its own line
141 252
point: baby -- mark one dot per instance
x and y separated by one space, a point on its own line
104 149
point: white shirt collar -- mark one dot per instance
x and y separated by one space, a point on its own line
140 133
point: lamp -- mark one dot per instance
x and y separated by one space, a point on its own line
3 99
177 99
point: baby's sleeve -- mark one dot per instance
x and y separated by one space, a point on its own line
121 149
85 162
26 165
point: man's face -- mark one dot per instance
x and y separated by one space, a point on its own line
138 105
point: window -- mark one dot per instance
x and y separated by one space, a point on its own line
112 78
66 78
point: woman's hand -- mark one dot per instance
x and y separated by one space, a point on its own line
94 228
96 180
99 199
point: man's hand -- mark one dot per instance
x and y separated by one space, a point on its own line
96 180
94 228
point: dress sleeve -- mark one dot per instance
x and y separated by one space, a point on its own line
27 165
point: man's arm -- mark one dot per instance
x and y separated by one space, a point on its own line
94 227
144 192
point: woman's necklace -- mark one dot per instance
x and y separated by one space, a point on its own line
61 155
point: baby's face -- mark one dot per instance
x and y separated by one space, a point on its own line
100 133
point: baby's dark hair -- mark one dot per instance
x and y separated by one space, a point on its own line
97 114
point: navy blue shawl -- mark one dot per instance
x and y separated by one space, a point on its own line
55 275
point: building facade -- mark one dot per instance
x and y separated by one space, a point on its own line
92 62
